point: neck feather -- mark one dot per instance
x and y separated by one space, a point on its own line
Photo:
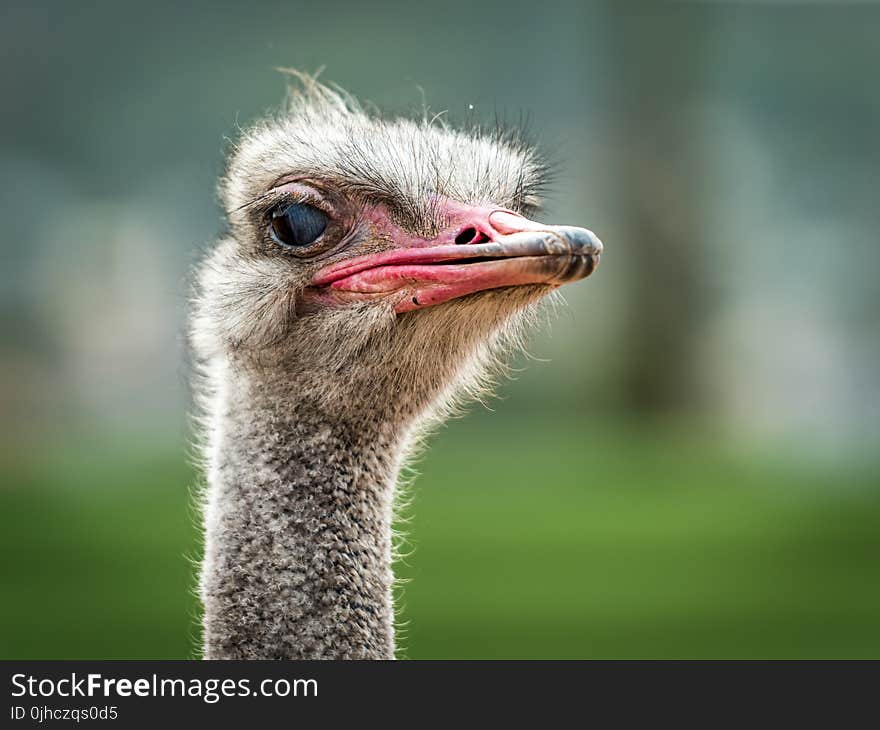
297 528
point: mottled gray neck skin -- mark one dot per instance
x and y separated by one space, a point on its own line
306 431
297 527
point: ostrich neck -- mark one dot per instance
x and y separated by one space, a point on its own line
297 529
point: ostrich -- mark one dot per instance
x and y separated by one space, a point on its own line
372 271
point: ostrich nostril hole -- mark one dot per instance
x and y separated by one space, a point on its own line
471 235
466 236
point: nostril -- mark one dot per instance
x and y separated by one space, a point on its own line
466 236
471 235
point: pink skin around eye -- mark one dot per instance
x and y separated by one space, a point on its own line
481 248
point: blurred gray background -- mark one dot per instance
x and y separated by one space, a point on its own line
726 152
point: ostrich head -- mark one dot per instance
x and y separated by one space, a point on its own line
374 264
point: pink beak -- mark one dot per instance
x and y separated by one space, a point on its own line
490 249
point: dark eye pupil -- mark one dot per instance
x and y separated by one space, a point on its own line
298 224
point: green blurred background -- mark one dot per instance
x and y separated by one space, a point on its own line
688 466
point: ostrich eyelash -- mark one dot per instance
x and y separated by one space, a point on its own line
272 199
260 198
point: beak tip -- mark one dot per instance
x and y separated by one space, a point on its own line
593 243
584 240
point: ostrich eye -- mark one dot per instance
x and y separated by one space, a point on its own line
297 225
